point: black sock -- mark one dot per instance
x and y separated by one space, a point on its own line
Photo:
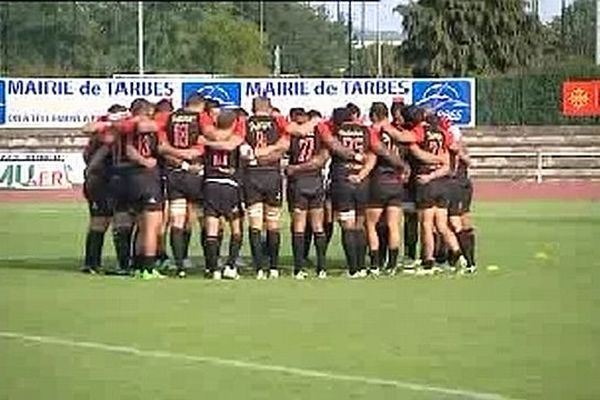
211 253
453 257
308 234
471 236
428 264
349 244
464 240
256 248
392 258
361 248
411 235
321 249
382 234
147 263
219 243
298 251
122 242
187 237
375 258
440 250
235 244
328 233
178 245
93 248
273 240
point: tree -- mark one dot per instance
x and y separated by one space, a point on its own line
458 37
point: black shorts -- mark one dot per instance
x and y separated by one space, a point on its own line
184 185
435 193
221 200
461 194
262 187
347 196
385 193
96 190
138 190
305 193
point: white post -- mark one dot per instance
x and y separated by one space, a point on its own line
538 177
261 20
597 32
140 38
379 55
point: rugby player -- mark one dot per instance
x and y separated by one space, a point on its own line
182 150
352 161
386 192
139 184
432 192
268 138
221 193
96 184
460 199
306 195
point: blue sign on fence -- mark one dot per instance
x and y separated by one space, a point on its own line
2 102
453 98
225 93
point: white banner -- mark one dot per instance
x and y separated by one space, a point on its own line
69 103
33 171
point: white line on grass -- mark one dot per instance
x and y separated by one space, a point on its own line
465 394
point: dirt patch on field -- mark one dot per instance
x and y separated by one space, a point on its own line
484 190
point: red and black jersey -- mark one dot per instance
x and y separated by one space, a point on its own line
304 148
263 131
221 164
383 168
355 137
433 139
183 129
145 142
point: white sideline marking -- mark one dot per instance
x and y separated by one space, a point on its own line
253 366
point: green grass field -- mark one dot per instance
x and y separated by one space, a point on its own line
530 330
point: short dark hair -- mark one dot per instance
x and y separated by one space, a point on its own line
116 108
164 105
297 112
276 110
242 112
314 114
262 103
226 119
141 106
378 111
210 104
194 100
137 103
353 108
397 106
341 115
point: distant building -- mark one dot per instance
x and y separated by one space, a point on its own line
387 37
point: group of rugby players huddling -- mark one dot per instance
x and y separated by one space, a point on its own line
151 172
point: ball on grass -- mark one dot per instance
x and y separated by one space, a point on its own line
540 255
492 268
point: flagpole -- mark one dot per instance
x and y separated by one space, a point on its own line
140 38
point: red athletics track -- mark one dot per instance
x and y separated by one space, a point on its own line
484 190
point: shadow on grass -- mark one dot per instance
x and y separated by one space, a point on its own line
74 264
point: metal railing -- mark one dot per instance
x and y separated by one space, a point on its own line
539 155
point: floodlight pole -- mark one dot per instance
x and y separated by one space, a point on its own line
140 38
379 55
597 32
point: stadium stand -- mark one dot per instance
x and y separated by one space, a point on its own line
533 153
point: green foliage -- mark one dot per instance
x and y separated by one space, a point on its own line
458 37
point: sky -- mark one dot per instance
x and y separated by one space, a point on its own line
390 21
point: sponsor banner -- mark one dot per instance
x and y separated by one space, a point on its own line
34 171
581 98
69 103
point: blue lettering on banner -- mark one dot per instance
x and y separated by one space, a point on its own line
39 87
140 88
451 98
277 88
375 88
2 102
224 93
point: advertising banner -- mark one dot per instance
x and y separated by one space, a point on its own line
33 171
70 103
581 98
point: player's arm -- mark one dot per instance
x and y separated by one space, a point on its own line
463 154
443 170
314 164
425 156
134 155
275 151
166 150
370 161
401 136
225 144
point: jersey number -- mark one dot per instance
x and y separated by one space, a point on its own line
145 146
220 159
306 148
181 137
353 143
260 139
434 147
